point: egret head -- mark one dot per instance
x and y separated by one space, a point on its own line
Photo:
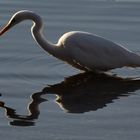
15 19
18 17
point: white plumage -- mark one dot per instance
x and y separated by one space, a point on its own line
82 50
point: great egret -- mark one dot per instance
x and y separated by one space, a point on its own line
82 50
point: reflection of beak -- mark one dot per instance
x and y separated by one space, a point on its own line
6 28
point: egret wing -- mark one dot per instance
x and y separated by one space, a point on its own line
96 52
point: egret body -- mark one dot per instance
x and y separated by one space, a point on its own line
83 50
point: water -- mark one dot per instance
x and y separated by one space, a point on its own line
75 106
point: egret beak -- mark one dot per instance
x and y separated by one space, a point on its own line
5 28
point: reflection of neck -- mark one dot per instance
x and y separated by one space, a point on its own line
33 109
34 105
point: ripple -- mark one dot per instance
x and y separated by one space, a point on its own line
26 71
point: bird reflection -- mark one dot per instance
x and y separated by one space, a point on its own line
88 92
25 120
77 94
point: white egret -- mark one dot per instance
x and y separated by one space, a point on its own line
82 50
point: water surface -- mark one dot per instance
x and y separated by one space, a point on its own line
44 98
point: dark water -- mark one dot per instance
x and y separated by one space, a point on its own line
75 106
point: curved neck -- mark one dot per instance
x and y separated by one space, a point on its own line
36 31
39 38
46 45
